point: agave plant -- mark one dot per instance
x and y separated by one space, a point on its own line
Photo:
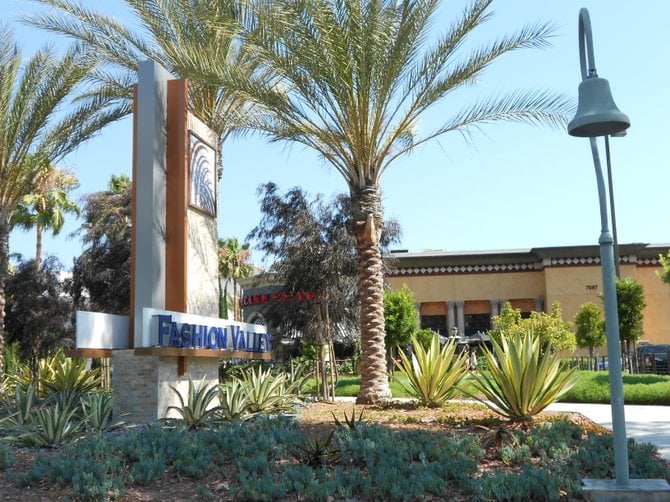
60 374
97 412
199 409
49 426
433 375
522 379
233 400
267 393
16 411
297 376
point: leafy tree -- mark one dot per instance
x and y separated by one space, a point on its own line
665 263
549 328
351 80
46 205
101 274
400 317
39 310
233 266
590 332
35 129
313 253
630 302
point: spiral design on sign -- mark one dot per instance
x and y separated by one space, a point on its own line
203 176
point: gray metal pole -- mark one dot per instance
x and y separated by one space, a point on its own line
610 186
612 330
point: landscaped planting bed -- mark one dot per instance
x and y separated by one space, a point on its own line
461 451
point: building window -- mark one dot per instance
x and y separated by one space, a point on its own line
477 322
437 323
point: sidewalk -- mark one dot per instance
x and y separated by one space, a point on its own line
648 424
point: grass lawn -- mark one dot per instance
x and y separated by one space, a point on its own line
593 387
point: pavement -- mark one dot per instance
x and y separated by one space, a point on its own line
647 424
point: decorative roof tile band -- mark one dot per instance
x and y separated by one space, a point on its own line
462 269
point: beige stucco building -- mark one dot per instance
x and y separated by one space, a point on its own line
465 289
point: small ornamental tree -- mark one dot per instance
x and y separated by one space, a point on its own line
665 263
401 319
590 327
630 302
550 328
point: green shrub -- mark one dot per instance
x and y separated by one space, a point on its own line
6 456
432 376
522 378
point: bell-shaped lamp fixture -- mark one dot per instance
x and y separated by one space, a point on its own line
597 114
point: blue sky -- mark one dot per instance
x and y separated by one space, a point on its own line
514 186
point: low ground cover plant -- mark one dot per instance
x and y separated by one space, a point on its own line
274 458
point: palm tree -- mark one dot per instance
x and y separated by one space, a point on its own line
46 205
233 266
35 129
351 79
183 36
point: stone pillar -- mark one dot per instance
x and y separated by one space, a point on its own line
451 317
460 318
495 304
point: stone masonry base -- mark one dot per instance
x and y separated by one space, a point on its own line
143 384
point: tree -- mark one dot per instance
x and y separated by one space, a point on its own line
664 275
233 266
400 317
630 303
551 329
183 36
590 332
351 80
313 255
39 310
101 274
46 205
35 128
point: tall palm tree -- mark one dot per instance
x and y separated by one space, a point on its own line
183 36
351 79
45 207
233 266
36 129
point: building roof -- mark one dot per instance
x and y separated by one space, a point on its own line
519 259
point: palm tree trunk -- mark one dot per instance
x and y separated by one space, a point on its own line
4 270
38 247
366 209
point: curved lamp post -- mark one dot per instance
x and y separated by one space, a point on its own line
597 115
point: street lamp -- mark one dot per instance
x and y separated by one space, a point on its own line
597 115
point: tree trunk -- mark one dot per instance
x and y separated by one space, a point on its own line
366 209
4 270
38 247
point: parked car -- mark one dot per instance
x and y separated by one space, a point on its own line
654 358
